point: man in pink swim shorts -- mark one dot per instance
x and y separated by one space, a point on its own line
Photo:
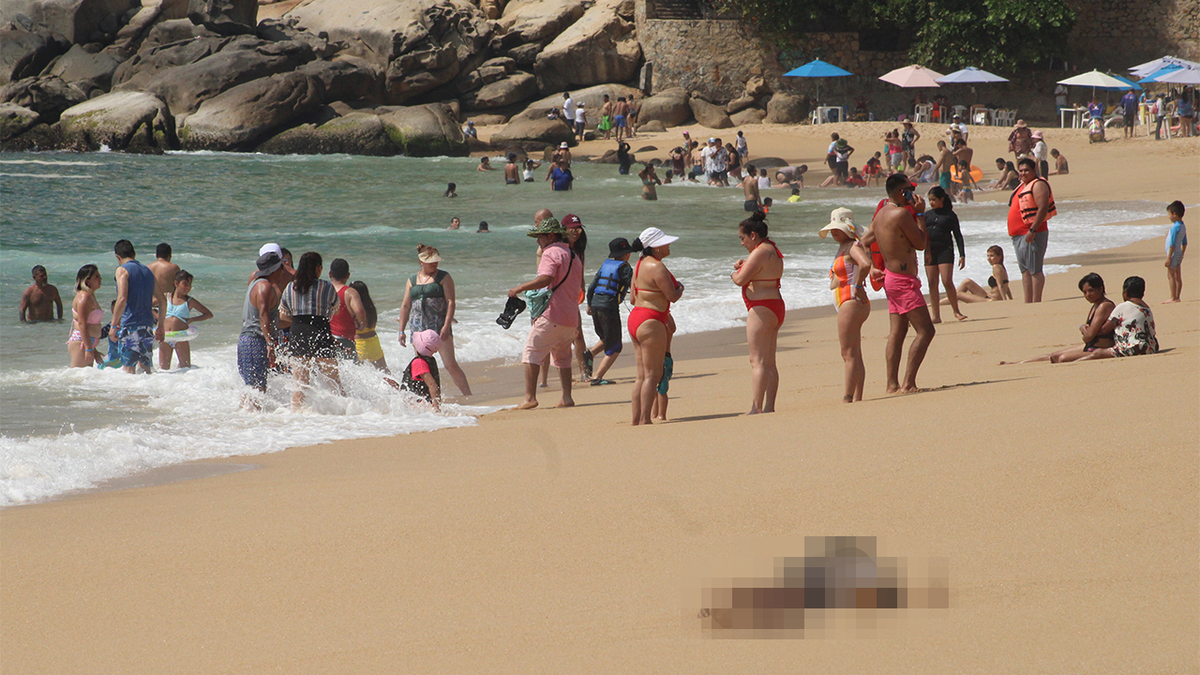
899 228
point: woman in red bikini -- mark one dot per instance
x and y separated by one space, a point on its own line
650 322
759 276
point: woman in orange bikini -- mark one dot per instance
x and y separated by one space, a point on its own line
650 322
847 280
759 276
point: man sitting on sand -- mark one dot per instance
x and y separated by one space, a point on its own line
36 300
900 235
553 332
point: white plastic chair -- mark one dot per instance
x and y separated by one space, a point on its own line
923 113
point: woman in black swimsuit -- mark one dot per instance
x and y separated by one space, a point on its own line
944 233
1092 330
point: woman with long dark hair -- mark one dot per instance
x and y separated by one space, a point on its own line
944 233
86 316
759 275
308 302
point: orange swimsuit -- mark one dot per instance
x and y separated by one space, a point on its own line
774 304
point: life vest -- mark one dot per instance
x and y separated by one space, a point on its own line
1027 207
417 385
608 279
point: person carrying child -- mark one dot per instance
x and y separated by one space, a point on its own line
1176 247
604 298
421 374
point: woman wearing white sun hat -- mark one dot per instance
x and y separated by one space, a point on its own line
651 325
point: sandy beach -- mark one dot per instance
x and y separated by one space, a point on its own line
1064 497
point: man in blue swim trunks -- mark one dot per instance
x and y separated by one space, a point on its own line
620 117
134 333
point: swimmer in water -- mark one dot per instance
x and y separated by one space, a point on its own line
450 191
649 180
179 308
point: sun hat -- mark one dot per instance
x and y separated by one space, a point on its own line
652 236
1037 135
841 219
841 143
274 248
619 247
428 254
571 220
426 342
907 123
267 264
548 226
1020 124
563 145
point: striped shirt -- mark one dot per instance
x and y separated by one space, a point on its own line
320 299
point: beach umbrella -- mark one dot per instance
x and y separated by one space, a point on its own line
1153 77
913 76
970 75
1096 80
817 69
1158 64
1174 74
1129 82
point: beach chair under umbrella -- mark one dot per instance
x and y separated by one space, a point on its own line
913 76
1096 80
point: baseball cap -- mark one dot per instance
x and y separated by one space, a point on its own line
571 220
652 236
272 248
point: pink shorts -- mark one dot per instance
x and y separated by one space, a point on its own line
546 337
903 292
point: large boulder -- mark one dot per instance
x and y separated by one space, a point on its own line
174 30
512 89
347 78
216 14
420 44
47 96
357 133
424 130
125 120
600 47
152 59
15 120
25 54
242 116
242 60
591 97
88 71
786 109
709 114
541 131
538 21
79 21
748 116
651 127
669 106
739 104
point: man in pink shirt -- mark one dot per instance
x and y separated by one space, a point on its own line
553 332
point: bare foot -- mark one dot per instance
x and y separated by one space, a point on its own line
960 317
527 405
892 389
937 319
847 399
566 403
1168 302
543 385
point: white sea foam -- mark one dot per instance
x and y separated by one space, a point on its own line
42 175
46 162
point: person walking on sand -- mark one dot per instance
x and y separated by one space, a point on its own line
429 304
750 190
651 326
759 275
86 316
944 163
941 222
847 280
1030 208
134 328
604 298
38 298
553 331
1020 141
900 235
606 117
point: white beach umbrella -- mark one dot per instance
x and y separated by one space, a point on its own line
913 76
1180 76
1148 67
1095 79
971 75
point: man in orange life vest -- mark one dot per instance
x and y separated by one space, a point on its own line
1030 208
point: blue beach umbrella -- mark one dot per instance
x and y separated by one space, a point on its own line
818 69
970 75
1165 70
1128 81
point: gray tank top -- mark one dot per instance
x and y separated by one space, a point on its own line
250 322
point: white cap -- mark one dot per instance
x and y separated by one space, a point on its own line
652 236
563 145
270 248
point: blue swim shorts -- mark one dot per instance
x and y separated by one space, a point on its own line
135 345
252 361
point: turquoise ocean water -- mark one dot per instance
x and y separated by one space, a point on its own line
63 429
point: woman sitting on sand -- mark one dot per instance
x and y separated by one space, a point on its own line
969 291
429 305
308 302
847 280
1131 323
650 324
758 275
86 316
1097 331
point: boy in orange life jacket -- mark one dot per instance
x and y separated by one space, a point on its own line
1030 208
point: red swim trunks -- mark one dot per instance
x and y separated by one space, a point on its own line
903 292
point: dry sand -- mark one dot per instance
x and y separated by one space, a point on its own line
1065 498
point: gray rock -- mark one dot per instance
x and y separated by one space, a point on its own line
25 54
486 119
76 20
275 30
504 62
647 148
538 21
152 60
214 13
709 115
347 78
47 96
739 104
769 163
786 109
424 130
77 65
174 30
483 75
669 106
525 55
239 118
122 121
242 60
748 116
358 133
540 130
600 47
756 87
15 120
653 126
513 89
39 137
591 97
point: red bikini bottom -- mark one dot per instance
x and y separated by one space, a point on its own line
639 315
774 304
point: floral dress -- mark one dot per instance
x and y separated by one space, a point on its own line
1133 330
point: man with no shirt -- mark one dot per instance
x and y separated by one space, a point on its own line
899 229
37 299
164 270
750 189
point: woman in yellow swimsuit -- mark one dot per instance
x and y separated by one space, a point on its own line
847 279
